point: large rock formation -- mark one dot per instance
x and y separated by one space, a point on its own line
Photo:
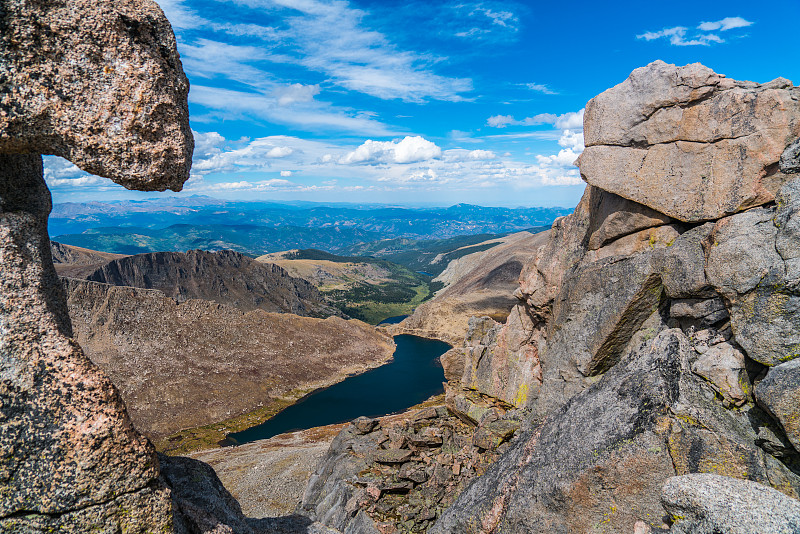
647 320
720 139
102 85
618 271
204 362
226 277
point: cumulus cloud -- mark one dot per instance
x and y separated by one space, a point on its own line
279 152
460 154
572 140
683 36
286 174
296 93
573 120
408 150
500 121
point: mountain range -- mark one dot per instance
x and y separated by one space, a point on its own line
256 228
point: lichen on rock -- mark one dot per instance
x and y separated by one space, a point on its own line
100 84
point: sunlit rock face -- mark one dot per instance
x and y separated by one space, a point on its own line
654 312
690 143
100 84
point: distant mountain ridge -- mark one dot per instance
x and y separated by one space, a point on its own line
258 228
226 277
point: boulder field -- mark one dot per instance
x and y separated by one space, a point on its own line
648 371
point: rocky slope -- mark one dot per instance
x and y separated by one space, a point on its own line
655 333
204 362
77 262
329 275
478 284
226 277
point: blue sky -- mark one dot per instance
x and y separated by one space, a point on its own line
426 102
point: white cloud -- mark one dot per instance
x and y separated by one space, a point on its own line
408 150
500 121
230 104
573 141
573 120
251 156
482 154
331 38
728 23
412 163
296 93
279 152
680 36
541 88
482 21
77 182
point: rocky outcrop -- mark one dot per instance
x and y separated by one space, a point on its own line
204 362
706 504
77 262
226 277
718 140
779 394
102 85
399 474
648 320
478 284
598 463
594 302
98 84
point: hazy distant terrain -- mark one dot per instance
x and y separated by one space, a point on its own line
256 228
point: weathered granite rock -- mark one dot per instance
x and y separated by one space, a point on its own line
67 443
599 309
100 84
688 142
745 267
779 394
704 503
787 220
614 216
541 279
683 265
598 463
399 477
790 159
709 311
201 502
723 365
503 362
631 355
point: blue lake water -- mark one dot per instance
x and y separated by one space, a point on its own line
393 320
413 376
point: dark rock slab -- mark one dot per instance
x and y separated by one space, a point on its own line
779 394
